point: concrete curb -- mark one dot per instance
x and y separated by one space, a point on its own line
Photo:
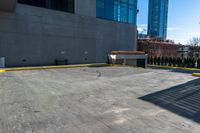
170 67
63 67
193 71
52 67
196 74
2 71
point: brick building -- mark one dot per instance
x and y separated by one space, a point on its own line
159 48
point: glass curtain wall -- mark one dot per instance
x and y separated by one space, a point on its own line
157 21
39 3
61 5
124 11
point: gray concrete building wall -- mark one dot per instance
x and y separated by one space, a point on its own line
86 8
37 36
8 5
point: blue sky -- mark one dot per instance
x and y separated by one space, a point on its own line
183 19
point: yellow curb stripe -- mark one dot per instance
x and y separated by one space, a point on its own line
53 67
180 68
62 67
170 67
196 74
2 71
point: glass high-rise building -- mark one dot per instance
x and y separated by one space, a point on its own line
158 16
123 11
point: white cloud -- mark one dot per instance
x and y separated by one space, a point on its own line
142 28
142 25
173 28
182 37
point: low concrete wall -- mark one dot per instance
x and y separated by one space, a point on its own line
37 36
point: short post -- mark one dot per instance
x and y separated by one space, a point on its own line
124 63
2 62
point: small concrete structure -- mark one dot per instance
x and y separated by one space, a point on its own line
2 62
134 58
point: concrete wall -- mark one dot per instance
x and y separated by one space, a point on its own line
8 5
37 36
86 8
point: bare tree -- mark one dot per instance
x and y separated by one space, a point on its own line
194 49
195 41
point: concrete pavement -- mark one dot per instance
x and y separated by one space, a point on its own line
90 100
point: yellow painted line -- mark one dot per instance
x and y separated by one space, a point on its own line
170 67
62 67
40 68
191 69
2 71
53 67
196 74
167 67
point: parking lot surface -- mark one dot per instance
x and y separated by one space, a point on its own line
99 100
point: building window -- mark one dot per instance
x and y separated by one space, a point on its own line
124 11
39 3
60 5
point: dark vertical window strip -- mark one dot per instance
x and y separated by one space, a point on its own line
60 5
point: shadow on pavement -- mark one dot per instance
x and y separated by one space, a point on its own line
185 71
178 70
183 99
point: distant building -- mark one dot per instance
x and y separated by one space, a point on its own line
142 36
159 48
157 18
184 51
